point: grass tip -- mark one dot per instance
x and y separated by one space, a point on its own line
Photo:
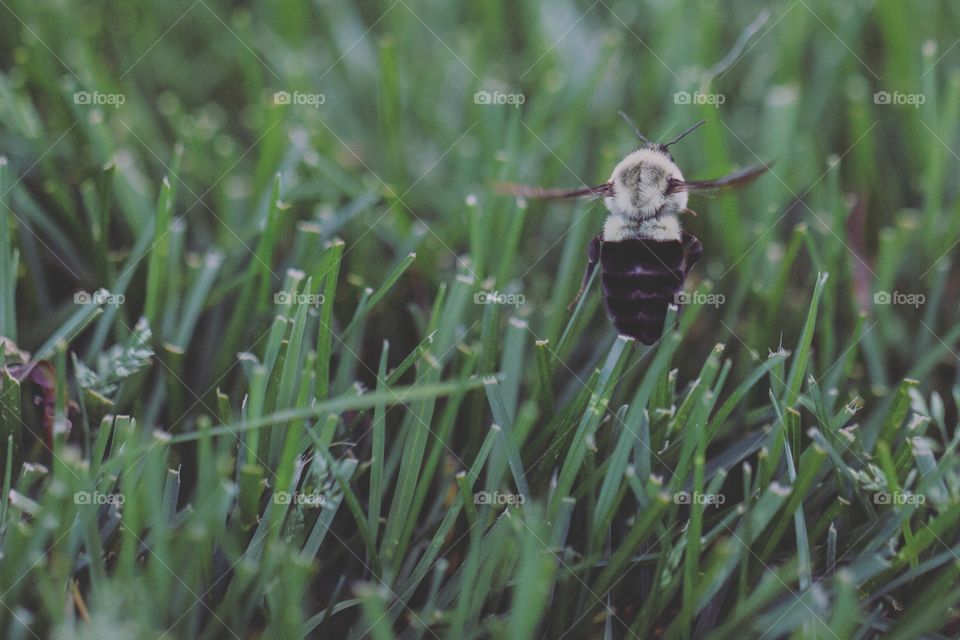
779 489
783 95
213 259
172 348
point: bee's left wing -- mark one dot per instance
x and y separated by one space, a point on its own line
539 193
730 181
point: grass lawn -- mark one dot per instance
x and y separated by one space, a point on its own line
279 362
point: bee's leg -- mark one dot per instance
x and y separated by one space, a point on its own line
593 256
692 250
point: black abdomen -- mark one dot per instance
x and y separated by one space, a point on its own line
640 278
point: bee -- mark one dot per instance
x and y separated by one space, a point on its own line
643 253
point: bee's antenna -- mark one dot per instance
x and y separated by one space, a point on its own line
682 135
627 119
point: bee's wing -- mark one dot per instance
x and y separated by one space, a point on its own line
729 181
539 193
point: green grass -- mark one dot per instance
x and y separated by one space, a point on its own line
285 415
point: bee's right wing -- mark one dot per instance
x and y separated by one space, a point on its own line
731 180
539 193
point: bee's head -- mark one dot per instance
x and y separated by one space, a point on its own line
662 148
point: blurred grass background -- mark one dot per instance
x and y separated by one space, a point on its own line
199 197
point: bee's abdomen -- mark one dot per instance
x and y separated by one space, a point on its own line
640 279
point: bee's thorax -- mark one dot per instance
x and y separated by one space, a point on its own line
640 186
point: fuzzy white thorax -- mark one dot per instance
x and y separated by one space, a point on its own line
640 205
616 228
